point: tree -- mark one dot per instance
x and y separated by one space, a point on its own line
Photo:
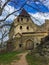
43 47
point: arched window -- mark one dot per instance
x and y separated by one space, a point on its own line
20 27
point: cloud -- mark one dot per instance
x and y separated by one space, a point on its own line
39 18
45 2
7 10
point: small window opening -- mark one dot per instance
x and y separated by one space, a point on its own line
20 45
27 27
37 44
20 27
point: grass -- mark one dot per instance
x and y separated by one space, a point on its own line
7 58
36 60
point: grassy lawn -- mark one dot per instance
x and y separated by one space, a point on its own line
9 57
36 60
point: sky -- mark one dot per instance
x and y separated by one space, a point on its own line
42 13
43 7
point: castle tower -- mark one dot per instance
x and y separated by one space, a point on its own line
23 23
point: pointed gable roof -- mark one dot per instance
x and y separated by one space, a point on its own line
24 13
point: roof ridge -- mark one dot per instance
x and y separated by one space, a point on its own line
24 13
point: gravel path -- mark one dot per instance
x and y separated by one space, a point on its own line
22 60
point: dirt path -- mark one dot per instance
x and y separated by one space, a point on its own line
22 60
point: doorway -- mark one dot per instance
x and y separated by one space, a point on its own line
29 44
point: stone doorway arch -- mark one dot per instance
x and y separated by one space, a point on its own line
29 44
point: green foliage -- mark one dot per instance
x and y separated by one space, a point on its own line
36 60
9 57
43 47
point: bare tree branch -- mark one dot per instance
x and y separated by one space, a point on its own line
13 12
4 6
5 25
